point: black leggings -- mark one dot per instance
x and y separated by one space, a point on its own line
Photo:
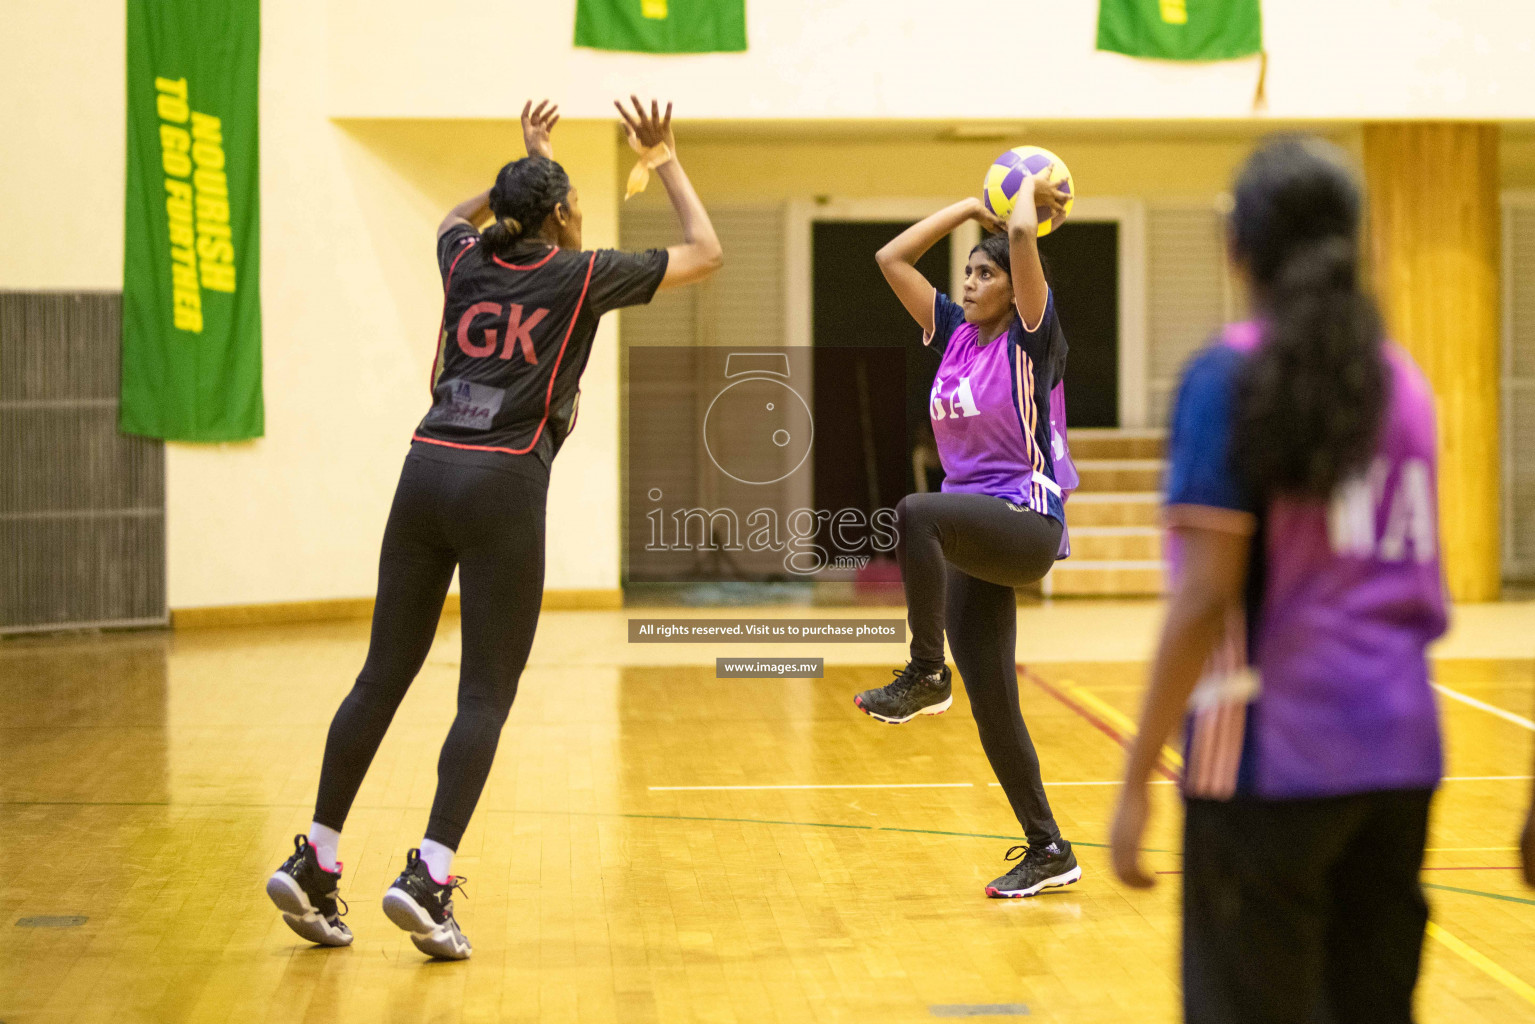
961 556
1303 910
488 520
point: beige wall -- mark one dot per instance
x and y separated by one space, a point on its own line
350 292
1106 161
970 59
350 299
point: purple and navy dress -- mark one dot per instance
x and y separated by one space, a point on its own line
1321 687
998 410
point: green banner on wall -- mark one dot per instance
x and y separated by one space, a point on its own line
191 251
1181 29
662 26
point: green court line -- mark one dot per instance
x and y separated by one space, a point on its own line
582 814
1478 892
689 817
683 817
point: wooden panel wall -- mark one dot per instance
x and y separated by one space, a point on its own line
1434 226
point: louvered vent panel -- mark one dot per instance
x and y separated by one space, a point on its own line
82 507
740 307
1519 397
1186 294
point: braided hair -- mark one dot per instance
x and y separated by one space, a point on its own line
1310 400
526 192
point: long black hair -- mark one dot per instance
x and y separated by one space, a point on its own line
526 192
1311 398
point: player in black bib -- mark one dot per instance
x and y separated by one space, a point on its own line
520 311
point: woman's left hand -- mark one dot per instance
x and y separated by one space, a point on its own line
1048 196
537 124
1034 194
1125 836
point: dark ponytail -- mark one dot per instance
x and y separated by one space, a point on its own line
1311 398
526 192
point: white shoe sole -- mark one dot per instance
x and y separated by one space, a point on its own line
1054 882
300 915
431 938
931 709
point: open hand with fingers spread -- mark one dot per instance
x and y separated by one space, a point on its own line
647 130
537 124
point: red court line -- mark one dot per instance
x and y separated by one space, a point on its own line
1092 719
1497 867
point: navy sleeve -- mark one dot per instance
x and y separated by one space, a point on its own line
451 245
625 279
947 316
1021 333
1199 469
1046 343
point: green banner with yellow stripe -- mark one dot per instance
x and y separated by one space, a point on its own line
1181 29
662 26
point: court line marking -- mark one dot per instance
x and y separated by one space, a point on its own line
1514 984
1495 867
1110 782
670 817
1480 705
1487 778
1097 721
849 785
1116 716
1477 892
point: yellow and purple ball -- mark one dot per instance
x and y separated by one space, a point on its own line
1007 174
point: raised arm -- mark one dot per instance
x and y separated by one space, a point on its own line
700 254
537 123
898 258
1030 292
471 212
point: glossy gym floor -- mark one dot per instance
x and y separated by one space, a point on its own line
656 844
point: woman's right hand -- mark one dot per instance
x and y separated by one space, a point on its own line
648 130
537 123
989 221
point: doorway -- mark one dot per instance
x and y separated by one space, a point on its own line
1082 263
870 406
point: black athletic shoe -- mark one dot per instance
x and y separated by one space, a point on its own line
418 904
912 693
1041 867
307 896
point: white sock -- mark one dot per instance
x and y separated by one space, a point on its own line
326 842
438 860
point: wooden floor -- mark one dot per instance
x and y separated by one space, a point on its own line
654 844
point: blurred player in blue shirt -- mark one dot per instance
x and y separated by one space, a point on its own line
1303 535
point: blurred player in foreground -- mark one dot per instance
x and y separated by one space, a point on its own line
1301 503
